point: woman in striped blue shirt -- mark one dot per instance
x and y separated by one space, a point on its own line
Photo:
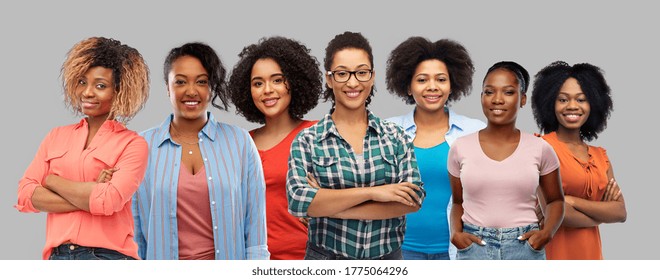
203 195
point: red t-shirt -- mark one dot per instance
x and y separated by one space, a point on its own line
287 236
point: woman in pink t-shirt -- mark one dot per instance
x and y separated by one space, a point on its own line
495 174
85 174
275 83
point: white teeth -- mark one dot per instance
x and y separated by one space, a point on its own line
270 102
353 94
432 98
191 103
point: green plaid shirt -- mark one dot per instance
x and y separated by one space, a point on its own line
388 158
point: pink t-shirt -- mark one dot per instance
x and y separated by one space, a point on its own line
500 194
193 212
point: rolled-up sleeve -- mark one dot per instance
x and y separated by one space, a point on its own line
33 178
299 193
110 197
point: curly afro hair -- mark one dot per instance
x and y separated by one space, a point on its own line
548 82
405 58
521 73
346 40
211 63
129 71
300 70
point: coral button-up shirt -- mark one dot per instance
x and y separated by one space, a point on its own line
109 222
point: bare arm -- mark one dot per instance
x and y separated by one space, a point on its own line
459 238
373 210
553 193
612 209
47 201
77 193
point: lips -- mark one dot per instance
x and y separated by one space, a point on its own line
572 117
191 103
352 94
432 98
498 112
89 104
269 102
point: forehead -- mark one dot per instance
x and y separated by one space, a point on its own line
265 66
350 58
99 72
501 76
571 86
431 66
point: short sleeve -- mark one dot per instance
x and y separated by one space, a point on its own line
549 159
453 161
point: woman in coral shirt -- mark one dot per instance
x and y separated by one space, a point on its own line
85 174
581 104
275 83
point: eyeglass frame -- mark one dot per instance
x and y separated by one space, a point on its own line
351 73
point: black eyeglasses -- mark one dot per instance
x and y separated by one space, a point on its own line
342 76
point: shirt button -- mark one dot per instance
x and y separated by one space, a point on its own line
205 159
210 178
201 140
217 251
215 227
213 202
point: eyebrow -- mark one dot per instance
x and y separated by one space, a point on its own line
185 76
260 78
357 67
435 74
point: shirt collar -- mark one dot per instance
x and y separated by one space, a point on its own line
328 126
209 129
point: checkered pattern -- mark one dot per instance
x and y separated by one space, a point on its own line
388 158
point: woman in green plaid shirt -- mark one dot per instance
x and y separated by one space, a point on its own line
354 175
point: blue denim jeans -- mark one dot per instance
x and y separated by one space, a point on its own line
412 255
314 252
76 252
501 244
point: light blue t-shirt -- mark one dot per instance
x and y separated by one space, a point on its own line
458 126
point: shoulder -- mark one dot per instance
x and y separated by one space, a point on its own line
398 120
467 124
230 131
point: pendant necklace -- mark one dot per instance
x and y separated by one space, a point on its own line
181 136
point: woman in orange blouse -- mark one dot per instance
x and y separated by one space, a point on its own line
581 105
85 174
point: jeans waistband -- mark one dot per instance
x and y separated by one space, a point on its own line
333 256
506 233
70 247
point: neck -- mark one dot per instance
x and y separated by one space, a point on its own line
189 127
569 135
94 123
350 117
504 132
438 118
281 123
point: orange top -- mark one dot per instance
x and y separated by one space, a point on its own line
109 222
585 180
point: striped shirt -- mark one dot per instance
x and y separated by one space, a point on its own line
236 193
388 159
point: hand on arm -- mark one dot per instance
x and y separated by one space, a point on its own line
76 193
611 208
45 200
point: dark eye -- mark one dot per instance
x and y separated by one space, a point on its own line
488 92
101 86
442 80
421 80
202 82
257 83
509 92
82 82
278 81
341 74
582 100
179 82
562 100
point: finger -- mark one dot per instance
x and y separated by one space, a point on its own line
410 185
526 235
404 198
476 239
413 195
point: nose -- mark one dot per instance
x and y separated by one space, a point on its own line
498 98
88 90
192 91
352 80
572 104
433 85
268 88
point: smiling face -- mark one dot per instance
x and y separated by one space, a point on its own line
571 106
96 90
269 88
501 97
188 88
352 94
430 86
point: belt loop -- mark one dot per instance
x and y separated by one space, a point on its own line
481 232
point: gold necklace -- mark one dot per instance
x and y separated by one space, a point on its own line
181 136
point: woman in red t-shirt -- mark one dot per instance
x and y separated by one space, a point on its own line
276 82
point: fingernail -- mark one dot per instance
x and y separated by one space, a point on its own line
519 237
483 242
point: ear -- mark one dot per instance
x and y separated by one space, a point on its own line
328 80
168 89
523 100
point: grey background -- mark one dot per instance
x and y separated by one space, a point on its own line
618 37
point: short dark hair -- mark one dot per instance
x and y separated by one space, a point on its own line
405 58
346 40
300 69
211 63
549 81
521 73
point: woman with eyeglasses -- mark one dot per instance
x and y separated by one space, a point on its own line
275 83
85 174
354 175
495 174
571 105
431 75
202 197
